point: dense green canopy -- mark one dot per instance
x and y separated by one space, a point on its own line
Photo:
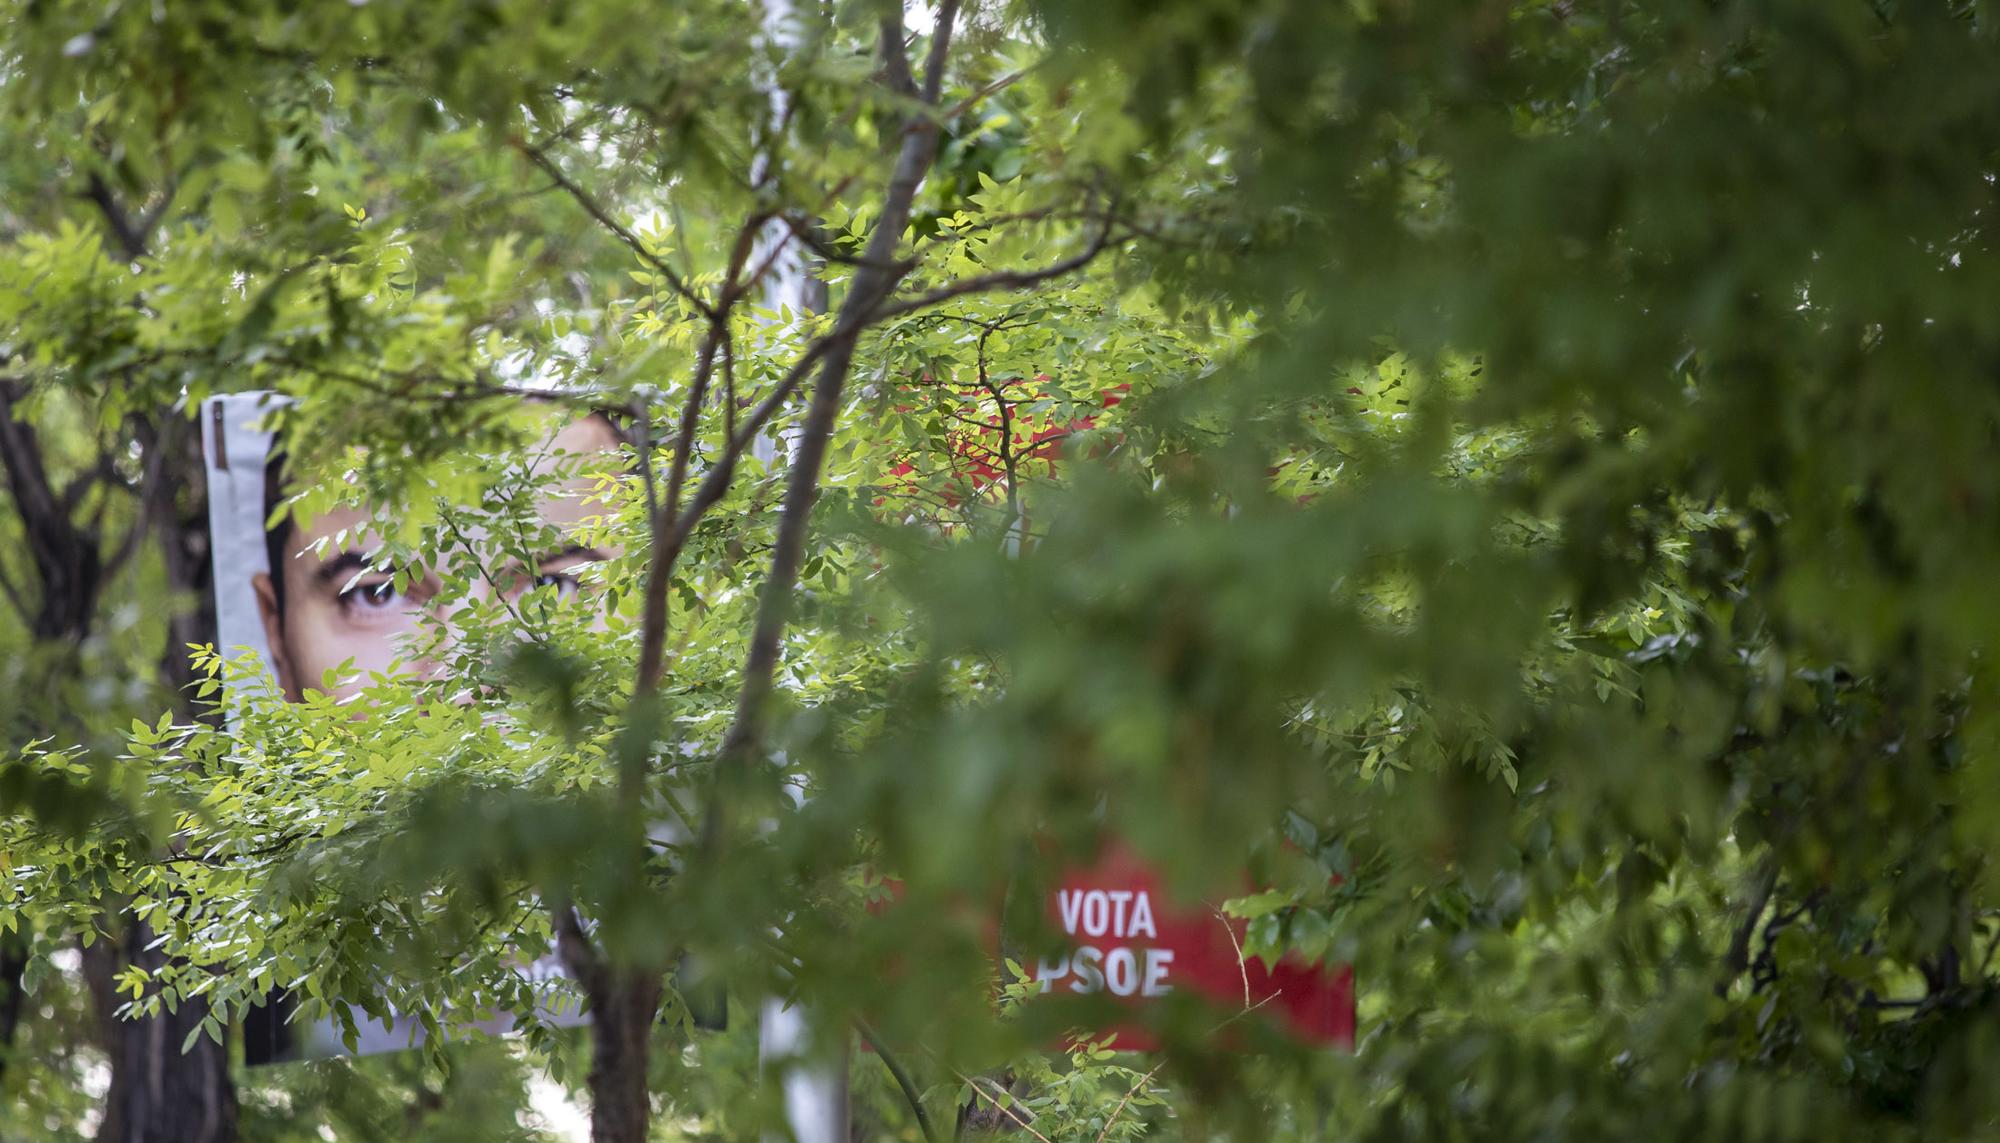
1515 481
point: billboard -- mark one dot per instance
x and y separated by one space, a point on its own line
300 599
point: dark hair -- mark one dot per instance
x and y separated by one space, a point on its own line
278 536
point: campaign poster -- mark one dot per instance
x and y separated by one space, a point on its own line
286 601
1124 935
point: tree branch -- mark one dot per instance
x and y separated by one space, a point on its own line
664 520
1006 431
131 240
14 596
77 487
895 64
716 482
998 280
153 495
579 955
870 285
903 1081
940 48
704 368
642 415
21 457
802 230
1737 959
669 542
13 963
728 385
618 229
664 516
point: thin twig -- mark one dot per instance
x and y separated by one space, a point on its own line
964 105
1242 964
1133 1091
802 230
1002 1108
778 249
479 565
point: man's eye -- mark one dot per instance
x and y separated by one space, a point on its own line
563 582
381 596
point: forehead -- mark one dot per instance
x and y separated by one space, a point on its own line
591 433
562 505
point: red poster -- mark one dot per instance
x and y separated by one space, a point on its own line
1128 938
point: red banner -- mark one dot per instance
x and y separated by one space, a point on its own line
1130 940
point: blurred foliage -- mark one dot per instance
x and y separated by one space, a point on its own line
1515 477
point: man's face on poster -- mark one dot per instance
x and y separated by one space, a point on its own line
331 607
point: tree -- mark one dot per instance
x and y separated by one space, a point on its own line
90 481
1545 490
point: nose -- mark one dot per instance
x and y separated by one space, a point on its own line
434 665
439 637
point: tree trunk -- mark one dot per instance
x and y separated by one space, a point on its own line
623 1002
621 1030
168 1095
13 962
178 517
158 1094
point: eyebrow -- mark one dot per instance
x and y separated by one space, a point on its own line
588 553
342 568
